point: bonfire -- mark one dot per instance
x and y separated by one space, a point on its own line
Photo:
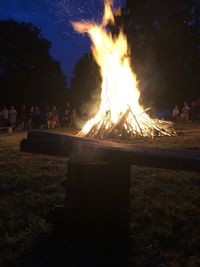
120 114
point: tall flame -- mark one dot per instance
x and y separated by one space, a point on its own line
120 94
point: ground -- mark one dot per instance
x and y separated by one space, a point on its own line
165 210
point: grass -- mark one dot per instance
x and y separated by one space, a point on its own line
29 187
165 210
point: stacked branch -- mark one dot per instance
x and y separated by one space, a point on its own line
129 127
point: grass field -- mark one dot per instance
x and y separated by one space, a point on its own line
165 208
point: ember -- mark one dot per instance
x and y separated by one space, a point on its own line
120 114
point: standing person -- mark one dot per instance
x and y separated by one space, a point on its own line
198 108
185 113
54 110
43 119
68 115
13 117
5 115
1 118
73 118
36 118
175 113
56 117
23 117
30 117
50 118
66 118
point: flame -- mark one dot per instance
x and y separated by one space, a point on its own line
108 14
120 94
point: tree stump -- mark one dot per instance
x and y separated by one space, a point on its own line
97 198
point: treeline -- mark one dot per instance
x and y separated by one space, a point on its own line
164 39
28 74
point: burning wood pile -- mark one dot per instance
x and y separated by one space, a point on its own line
120 115
129 127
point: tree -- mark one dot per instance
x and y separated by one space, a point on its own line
28 74
86 86
165 48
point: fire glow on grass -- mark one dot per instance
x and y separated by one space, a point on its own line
120 115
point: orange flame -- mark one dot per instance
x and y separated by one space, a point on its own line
120 94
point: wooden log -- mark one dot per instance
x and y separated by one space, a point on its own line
97 199
64 144
148 157
46 147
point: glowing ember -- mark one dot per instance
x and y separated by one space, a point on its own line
120 114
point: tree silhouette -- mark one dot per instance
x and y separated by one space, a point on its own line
28 74
164 41
85 86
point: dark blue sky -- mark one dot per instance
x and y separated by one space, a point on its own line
53 18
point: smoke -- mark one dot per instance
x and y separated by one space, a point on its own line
90 108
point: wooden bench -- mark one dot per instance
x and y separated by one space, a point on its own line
6 129
98 180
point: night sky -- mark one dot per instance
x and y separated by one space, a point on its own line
53 18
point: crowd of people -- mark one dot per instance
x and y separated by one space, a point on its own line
187 112
26 118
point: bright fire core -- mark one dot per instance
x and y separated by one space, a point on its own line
120 115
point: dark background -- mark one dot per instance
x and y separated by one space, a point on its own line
164 40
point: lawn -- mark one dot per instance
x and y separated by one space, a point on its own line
165 210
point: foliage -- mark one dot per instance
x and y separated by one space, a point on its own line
28 74
85 85
164 38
